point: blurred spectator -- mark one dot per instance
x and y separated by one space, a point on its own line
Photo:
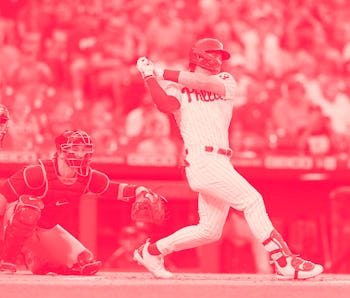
103 128
252 120
306 70
336 106
317 137
269 29
157 144
89 48
303 25
243 77
250 40
108 63
290 115
9 52
129 238
61 115
165 29
31 76
148 130
56 56
24 131
82 39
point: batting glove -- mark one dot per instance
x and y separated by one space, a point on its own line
159 72
145 67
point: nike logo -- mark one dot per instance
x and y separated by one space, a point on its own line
59 203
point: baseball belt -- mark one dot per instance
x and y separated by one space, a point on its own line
223 151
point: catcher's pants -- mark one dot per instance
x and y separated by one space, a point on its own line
55 247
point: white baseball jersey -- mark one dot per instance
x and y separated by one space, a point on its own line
204 117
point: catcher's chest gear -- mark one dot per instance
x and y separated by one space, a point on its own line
149 207
57 196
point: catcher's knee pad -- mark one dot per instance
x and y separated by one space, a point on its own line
27 211
21 225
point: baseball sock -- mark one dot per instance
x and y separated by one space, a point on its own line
153 249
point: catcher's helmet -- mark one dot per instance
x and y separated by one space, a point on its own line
4 118
77 148
200 54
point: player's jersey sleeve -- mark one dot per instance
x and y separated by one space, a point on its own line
29 180
230 84
101 185
171 89
99 182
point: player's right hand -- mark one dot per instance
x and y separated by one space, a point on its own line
159 72
145 67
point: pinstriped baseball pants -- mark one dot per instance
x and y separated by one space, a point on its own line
219 188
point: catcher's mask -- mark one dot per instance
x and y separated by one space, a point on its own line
77 148
4 118
200 55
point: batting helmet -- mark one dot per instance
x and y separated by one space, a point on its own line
200 54
4 118
77 147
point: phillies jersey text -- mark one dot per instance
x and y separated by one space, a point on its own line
204 117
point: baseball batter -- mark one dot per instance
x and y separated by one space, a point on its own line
36 198
202 102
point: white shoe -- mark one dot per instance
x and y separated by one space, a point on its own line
154 264
288 265
294 267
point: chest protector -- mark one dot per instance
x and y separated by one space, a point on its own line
58 197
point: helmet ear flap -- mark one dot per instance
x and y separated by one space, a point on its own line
204 60
202 54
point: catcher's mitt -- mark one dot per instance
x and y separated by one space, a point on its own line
149 207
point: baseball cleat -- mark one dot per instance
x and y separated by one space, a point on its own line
154 264
294 267
287 264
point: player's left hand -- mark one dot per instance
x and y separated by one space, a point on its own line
145 67
148 207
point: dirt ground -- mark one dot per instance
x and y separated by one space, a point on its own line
135 284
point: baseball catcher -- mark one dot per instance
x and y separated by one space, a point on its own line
35 199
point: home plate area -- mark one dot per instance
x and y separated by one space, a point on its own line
141 284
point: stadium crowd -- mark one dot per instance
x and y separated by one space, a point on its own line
71 64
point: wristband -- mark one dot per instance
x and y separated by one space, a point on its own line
171 75
127 192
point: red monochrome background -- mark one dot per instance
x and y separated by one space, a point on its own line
71 65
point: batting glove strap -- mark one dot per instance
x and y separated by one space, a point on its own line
146 78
